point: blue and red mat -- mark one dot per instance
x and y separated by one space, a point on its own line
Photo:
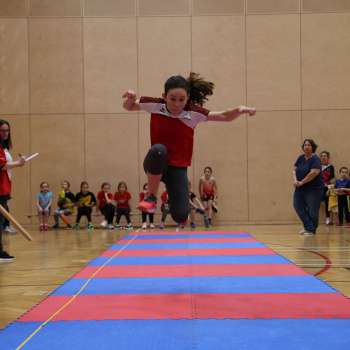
220 290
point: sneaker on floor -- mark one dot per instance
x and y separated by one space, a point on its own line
149 204
110 227
328 221
301 232
144 226
129 226
152 226
46 227
6 258
193 225
56 226
41 228
104 223
90 226
118 227
161 225
308 233
10 229
76 227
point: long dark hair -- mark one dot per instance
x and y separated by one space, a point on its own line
196 87
7 144
82 184
122 183
312 143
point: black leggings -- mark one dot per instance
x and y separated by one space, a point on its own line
150 216
84 211
175 179
3 202
108 212
343 209
125 212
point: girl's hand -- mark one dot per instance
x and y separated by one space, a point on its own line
130 95
21 160
244 109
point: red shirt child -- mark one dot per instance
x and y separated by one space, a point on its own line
122 199
102 201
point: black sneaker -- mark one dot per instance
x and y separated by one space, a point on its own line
6 258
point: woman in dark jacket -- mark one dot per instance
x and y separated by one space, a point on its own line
308 187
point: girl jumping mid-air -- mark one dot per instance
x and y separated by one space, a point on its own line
173 120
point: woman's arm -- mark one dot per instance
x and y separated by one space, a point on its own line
295 180
131 103
309 177
230 114
17 163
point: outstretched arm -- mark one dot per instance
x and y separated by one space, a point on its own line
230 114
130 101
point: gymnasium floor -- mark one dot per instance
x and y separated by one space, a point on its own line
53 257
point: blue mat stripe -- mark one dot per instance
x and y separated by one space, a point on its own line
133 246
288 334
196 285
189 235
180 260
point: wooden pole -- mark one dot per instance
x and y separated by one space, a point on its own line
15 223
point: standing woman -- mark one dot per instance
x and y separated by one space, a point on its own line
308 187
5 178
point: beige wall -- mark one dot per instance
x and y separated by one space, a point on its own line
64 65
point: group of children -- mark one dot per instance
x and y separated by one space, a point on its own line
113 206
336 192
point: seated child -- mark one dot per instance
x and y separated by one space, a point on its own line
106 205
122 198
145 213
43 204
66 202
85 200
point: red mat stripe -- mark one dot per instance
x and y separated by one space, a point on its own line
190 271
201 306
190 240
191 252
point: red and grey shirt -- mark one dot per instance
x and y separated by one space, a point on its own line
174 132
5 181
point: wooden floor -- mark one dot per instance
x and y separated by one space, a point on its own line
54 256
